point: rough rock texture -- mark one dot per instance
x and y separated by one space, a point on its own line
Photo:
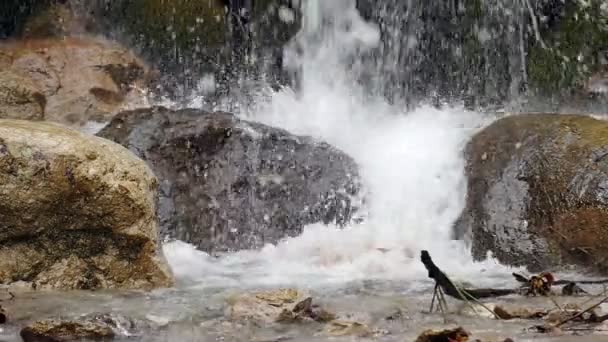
20 98
90 327
538 192
265 307
228 184
60 331
70 80
276 306
58 19
76 212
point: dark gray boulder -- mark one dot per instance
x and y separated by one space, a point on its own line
229 184
538 192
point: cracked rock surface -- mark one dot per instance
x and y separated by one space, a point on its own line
68 80
76 212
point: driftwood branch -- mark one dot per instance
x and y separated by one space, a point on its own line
451 290
522 279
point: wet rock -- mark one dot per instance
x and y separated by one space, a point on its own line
572 289
78 212
229 184
96 327
123 326
264 306
56 19
476 310
59 331
507 313
501 312
598 83
449 335
537 193
20 98
69 81
279 306
348 328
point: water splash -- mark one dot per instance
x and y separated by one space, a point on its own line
411 163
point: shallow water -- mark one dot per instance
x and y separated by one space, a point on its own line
413 170
392 309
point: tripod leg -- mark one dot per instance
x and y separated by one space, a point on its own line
433 299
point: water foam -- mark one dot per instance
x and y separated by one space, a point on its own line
411 163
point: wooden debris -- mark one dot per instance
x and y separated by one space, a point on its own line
451 290
589 309
541 284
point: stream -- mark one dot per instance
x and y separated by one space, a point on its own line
413 169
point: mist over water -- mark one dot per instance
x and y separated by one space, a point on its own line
411 164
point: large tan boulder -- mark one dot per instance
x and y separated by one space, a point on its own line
77 212
79 79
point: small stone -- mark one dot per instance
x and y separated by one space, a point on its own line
280 306
572 289
348 328
451 335
323 316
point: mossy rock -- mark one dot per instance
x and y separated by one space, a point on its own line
171 30
571 50
538 192
14 13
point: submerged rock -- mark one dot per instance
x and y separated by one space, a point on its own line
228 184
78 212
448 335
59 331
348 328
277 306
70 80
95 327
538 192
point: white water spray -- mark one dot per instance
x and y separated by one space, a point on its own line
411 164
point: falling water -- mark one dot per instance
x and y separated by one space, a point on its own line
411 162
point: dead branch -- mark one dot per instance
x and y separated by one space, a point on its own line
451 290
571 318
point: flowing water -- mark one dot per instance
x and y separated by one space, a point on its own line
411 162
413 170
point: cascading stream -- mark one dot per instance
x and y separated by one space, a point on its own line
411 163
